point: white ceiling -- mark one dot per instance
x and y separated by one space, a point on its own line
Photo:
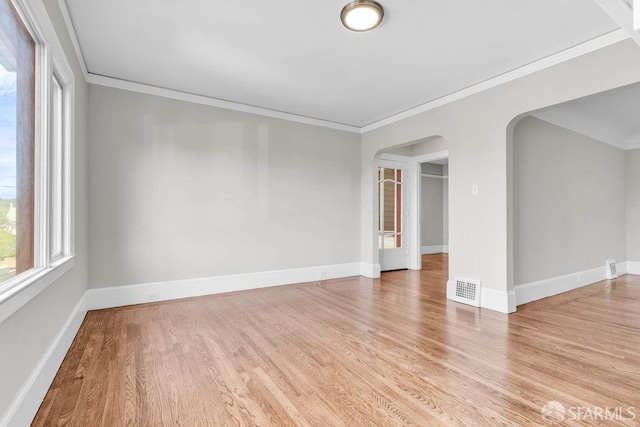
612 117
294 56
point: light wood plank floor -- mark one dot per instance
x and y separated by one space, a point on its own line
350 352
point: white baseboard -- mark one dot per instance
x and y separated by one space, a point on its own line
502 301
370 270
26 403
533 291
632 267
436 249
117 296
492 299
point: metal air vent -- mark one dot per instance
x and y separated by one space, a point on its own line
467 291
612 271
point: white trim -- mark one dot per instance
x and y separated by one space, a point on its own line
502 301
622 268
15 297
633 143
395 158
622 15
213 102
25 404
542 64
434 249
491 299
370 270
430 157
117 296
74 38
632 267
533 291
428 175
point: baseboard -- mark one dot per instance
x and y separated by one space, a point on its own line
436 249
492 299
502 301
117 296
556 285
26 403
632 267
370 270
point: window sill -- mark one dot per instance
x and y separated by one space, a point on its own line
12 299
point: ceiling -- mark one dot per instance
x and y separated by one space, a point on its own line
294 56
612 117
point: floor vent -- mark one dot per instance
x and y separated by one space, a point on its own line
467 291
612 271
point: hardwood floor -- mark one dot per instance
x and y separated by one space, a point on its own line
353 351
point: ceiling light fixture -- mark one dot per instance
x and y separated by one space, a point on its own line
362 15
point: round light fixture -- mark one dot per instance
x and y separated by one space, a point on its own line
362 15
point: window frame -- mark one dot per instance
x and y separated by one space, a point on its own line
50 63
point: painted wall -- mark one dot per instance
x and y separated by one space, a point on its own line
568 202
633 205
180 190
476 129
25 336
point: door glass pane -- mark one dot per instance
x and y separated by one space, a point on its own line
389 241
390 208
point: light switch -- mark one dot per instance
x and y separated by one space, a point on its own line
474 189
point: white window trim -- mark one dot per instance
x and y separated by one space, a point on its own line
50 59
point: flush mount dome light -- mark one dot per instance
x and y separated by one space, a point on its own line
362 15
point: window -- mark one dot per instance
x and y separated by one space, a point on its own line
36 88
17 137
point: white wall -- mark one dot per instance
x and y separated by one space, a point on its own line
181 190
569 202
476 129
25 335
633 205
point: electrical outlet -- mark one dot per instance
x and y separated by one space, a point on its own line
579 278
323 275
153 297
475 189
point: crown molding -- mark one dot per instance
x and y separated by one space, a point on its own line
622 13
74 38
213 102
544 63
632 142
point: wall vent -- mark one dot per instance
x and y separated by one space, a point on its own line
467 291
612 271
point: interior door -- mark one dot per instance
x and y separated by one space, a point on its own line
392 238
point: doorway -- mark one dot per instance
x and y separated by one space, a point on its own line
434 207
398 226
